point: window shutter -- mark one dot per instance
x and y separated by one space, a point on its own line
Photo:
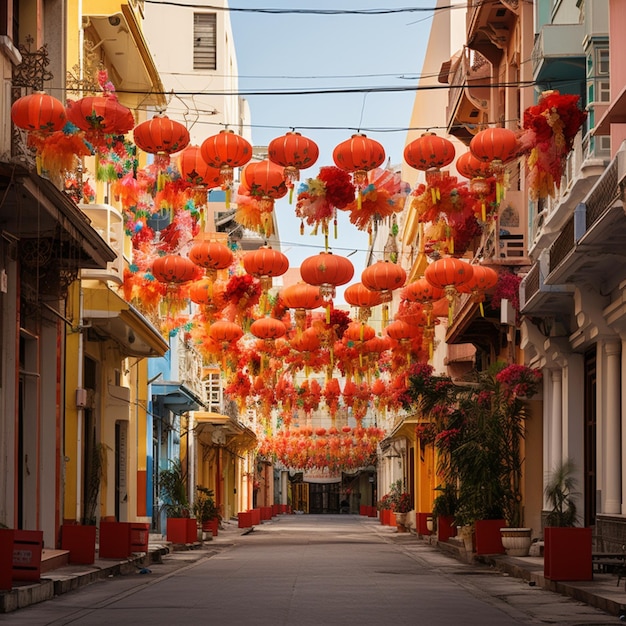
204 41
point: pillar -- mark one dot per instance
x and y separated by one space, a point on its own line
612 462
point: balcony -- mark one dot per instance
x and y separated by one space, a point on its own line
558 53
490 26
591 245
469 96
109 224
585 164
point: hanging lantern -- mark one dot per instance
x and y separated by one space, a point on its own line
264 263
161 136
448 274
195 170
226 151
207 294
38 112
293 152
359 155
268 329
301 297
211 255
327 271
403 334
483 279
423 292
478 172
495 146
360 296
308 341
429 153
224 331
173 269
384 277
358 332
100 114
264 181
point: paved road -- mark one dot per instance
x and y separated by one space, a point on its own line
312 570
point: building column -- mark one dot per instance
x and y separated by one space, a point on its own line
612 441
556 420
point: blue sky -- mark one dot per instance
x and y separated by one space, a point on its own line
296 51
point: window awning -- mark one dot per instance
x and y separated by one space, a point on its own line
111 316
176 397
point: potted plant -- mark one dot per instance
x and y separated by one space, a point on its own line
401 504
384 507
206 510
181 527
443 511
567 547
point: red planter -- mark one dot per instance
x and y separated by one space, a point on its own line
255 516
114 540
244 519
80 541
27 547
139 536
422 529
488 538
362 509
384 517
445 527
211 526
567 553
266 513
372 511
182 530
6 559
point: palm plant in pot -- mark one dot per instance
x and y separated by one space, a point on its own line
567 547
181 527
206 510
443 511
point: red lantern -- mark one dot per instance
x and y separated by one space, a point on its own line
494 145
268 328
429 153
225 151
194 169
384 277
358 332
308 341
293 152
301 297
161 136
401 331
38 112
204 292
224 331
483 278
264 180
448 274
173 268
100 114
422 291
359 155
360 296
211 255
264 263
471 167
327 271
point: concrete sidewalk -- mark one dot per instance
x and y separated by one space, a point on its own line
71 577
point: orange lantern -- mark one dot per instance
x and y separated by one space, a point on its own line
225 151
38 112
264 263
211 255
423 292
204 292
360 296
268 328
264 180
293 152
308 341
429 153
448 274
173 269
494 145
384 277
100 114
470 166
327 271
483 278
194 169
401 331
224 331
161 136
359 155
301 297
359 332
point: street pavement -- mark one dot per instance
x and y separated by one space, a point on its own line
318 570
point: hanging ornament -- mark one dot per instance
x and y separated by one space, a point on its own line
358 155
210 255
226 151
481 183
483 278
293 152
358 295
301 297
429 153
38 112
384 277
265 263
448 274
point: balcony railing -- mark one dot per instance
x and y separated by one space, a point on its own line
557 41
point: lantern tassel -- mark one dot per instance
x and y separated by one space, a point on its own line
484 211
291 194
482 309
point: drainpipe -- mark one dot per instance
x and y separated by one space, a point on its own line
79 409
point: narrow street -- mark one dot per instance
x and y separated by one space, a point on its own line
311 570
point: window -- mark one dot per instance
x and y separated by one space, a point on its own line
204 41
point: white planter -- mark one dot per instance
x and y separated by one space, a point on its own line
516 541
